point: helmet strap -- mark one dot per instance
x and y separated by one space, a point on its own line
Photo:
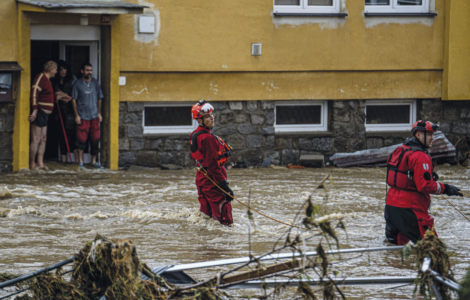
422 144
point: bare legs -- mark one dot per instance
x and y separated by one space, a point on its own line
37 146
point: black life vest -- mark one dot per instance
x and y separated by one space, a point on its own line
223 151
399 174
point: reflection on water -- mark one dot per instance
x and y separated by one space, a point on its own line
48 216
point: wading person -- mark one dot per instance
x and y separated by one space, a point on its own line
86 99
62 85
210 153
42 102
411 177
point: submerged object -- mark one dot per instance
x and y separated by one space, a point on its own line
377 157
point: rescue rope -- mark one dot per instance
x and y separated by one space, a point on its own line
205 174
456 207
464 194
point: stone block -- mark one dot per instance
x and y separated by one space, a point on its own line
241 118
445 127
146 158
236 105
121 118
372 143
226 118
1 124
270 118
274 155
225 131
254 141
270 141
267 105
357 145
341 116
135 118
188 160
174 158
135 131
174 145
252 157
352 103
124 144
388 142
450 114
252 105
219 105
154 144
247 129
8 122
137 144
126 159
359 117
135 107
290 157
341 145
257 119
122 106
339 104
283 143
267 130
305 144
237 141
122 131
464 113
6 144
459 127
321 144
361 131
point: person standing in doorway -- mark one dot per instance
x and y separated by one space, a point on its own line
42 102
86 99
210 153
62 85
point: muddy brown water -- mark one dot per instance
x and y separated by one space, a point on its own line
50 215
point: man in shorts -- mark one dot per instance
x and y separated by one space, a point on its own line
42 102
86 97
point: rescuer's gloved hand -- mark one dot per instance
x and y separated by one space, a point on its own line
224 185
451 190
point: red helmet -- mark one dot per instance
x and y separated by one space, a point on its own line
425 126
201 106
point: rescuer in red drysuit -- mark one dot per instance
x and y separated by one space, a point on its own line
411 177
210 152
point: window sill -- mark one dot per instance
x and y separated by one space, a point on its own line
310 15
400 14
304 133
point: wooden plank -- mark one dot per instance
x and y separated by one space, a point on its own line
262 272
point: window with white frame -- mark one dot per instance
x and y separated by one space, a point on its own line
167 118
301 116
306 6
396 6
390 115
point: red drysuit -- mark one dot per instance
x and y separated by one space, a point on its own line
406 210
213 200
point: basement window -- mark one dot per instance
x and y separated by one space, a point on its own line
168 118
306 6
301 116
396 6
390 115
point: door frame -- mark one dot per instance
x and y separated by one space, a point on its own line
94 54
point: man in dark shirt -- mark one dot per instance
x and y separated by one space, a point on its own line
86 97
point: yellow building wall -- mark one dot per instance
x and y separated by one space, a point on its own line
212 36
8 31
456 77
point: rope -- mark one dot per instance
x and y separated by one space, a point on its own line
464 194
205 174
456 207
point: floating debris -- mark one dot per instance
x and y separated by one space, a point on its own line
377 157
4 192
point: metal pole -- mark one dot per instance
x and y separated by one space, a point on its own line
31 275
241 260
426 267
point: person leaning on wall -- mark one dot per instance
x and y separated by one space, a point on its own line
42 102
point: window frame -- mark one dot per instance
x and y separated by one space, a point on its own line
323 126
395 8
169 129
391 127
304 8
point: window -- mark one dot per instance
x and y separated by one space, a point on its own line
397 6
168 118
306 6
390 115
302 116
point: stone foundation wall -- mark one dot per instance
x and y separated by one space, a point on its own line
248 128
7 120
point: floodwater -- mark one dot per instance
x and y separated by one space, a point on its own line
51 214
